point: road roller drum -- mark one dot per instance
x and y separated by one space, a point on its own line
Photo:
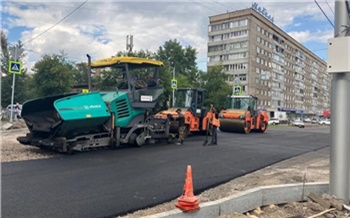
232 125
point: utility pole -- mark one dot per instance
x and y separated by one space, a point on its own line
129 43
338 65
13 84
173 88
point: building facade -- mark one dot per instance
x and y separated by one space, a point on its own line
267 62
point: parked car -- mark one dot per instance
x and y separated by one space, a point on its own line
314 120
307 120
298 123
324 122
274 121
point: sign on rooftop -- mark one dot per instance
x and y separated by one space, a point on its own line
262 11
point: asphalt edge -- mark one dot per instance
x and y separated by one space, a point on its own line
250 199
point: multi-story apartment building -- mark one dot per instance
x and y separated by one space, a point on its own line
267 62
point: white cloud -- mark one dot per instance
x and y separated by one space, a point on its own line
100 28
307 36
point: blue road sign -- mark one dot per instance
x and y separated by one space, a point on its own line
174 83
15 67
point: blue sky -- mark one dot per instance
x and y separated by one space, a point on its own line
100 28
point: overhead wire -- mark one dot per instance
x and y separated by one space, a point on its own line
329 6
200 4
56 23
221 4
324 13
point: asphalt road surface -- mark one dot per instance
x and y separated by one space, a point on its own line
114 182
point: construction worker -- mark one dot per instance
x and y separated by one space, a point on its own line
182 127
214 122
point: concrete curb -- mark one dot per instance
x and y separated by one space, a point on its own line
248 200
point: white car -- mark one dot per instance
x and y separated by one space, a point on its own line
324 122
298 123
273 121
307 120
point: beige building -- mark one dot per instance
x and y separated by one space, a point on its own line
267 62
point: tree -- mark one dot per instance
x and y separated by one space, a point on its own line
80 74
217 88
107 79
53 75
183 59
20 92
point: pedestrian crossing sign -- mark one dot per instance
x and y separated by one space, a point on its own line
174 83
237 90
15 67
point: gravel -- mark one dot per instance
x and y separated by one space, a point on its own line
12 150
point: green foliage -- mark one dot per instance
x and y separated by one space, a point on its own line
20 92
5 55
183 59
217 88
140 54
108 79
80 74
53 75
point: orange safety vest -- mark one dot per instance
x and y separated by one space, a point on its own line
213 120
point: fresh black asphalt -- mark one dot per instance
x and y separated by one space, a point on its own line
114 182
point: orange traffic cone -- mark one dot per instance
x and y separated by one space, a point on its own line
187 202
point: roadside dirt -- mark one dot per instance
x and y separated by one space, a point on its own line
12 150
310 167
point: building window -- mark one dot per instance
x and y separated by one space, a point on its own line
257 70
243 77
241 33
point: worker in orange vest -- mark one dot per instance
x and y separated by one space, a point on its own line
214 121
